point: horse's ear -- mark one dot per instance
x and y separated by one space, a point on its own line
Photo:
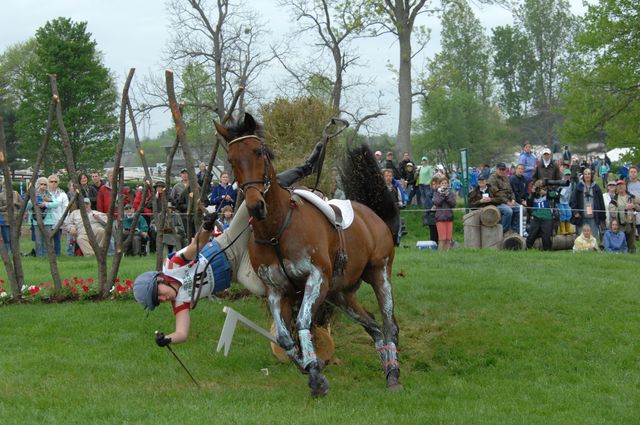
221 130
249 125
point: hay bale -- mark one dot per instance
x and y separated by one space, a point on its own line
491 236
514 242
471 225
490 216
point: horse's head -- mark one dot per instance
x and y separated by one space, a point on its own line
251 163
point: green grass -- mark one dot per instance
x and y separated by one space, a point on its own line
486 337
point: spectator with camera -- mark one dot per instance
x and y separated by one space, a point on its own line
587 204
444 200
623 208
541 215
506 199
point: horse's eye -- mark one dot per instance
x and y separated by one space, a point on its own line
258 152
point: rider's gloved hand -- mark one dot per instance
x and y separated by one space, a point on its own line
209 221
162 340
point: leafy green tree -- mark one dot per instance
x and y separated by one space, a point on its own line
87 95
457 112
12 63
513 70
550 28
602 96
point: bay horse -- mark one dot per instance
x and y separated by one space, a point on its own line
294 248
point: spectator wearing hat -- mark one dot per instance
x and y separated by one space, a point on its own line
528 159
587 204
546 168
75 227
608 197
409 175
379 160
624 208
564 204
483 194
506 199
425 175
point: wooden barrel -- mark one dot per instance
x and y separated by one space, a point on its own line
490 216
322 341
558 242
491 236
471 225
514 242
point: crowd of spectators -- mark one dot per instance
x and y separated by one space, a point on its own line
560 196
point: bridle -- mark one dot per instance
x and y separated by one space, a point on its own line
266 177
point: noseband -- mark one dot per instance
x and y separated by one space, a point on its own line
266 177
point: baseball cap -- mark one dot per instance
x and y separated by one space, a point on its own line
546 151
501 165
566 172
621 182
145 290
184 170
482 177
389 153
611 183
87 200
159 183
378 153
424 158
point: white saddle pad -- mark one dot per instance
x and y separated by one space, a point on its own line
343 205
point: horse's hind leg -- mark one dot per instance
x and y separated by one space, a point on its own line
378 277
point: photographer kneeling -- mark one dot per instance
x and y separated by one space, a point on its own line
541 215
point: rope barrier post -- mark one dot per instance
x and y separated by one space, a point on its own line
521 214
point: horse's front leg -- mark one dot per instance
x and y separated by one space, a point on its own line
315 292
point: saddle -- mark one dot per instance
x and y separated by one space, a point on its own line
340 215
339 212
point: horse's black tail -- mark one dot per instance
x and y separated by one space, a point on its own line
362 181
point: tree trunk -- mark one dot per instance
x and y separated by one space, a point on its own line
403 142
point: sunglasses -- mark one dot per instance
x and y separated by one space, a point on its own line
43 184
53 181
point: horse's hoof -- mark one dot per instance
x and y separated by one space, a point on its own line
319 385
394 388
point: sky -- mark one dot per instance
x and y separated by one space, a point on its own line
134 34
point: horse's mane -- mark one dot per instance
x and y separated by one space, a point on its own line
362 181
248 126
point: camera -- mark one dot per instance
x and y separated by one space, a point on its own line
553 186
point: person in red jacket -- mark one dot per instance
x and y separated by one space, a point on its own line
104 196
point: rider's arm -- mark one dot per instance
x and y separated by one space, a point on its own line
183 321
